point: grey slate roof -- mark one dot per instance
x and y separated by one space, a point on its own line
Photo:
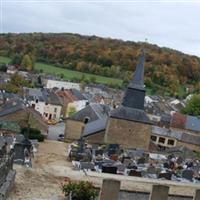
131 114
93 111
138 79
166 132
43 95
95 126
193 123
12 107
181 136
78 94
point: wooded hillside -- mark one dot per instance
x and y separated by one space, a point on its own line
167 71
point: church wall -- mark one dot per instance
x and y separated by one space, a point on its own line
73 130
189 146
128 134
97 138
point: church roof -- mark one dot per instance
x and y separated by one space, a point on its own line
138 78
132 114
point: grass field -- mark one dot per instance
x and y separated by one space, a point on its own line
68 74
4 60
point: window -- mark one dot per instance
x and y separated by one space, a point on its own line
170 142
161 140
153 138
54 116
55 110
36 100
86 120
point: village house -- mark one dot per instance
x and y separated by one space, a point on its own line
50 84
72 99
45 101
11 69
16 110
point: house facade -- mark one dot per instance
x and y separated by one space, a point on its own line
46 102
50 84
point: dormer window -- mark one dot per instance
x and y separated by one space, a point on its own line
86 120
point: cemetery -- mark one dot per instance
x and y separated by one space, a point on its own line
180 166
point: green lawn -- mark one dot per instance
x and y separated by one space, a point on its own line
68 74
4 60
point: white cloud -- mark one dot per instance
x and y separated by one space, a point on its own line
174 25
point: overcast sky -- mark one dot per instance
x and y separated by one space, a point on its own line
172 24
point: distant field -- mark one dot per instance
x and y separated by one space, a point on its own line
4 59
68 74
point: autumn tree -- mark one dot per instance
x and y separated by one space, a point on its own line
27 62
193 106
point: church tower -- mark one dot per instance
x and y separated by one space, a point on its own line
135 93
128 124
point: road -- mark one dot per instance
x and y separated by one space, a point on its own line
56 130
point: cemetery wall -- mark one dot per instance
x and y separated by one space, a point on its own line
126 195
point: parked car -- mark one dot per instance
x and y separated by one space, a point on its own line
61 137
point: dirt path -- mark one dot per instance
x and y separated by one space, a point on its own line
36 183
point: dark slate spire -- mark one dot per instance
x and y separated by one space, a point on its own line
138 78
135 93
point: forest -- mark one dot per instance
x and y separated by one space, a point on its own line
167 71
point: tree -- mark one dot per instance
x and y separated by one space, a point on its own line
17 59
193 106
27 62
71 110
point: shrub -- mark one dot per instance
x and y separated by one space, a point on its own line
82 190
34 134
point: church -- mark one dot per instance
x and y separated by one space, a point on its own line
129 125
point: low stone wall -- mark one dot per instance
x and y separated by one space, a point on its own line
7 185
126 195
7 175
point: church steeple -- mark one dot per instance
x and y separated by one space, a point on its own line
138 78
135 93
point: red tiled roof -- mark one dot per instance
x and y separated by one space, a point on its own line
178 120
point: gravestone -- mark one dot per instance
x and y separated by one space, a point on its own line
188 174
135 173
166 175
166 165
179 160
87 166
151 170
109 169
141 160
